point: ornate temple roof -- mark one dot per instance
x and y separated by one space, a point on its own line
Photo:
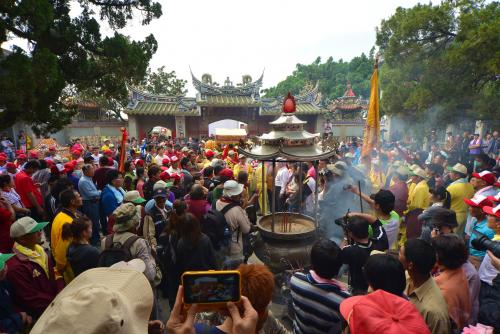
141 103
348 102
211 94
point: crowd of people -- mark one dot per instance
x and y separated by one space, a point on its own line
402 247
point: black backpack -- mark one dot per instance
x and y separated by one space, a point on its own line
115 252
214 225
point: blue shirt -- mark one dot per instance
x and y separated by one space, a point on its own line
481 227
87 189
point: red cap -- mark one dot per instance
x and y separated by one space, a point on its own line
165 161
163 168
139 162
209 153
227 173
18 152
76 152
74 162
486 176
164 176
68 167
33 154
54 169
174 158
108 152
382 312
50 163
52 147
21 156
175 176
495 198
478 201
111 162
3 158
493 211
497 184
10 165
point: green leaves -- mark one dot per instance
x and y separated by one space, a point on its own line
164 83
332 76
443 58
69 51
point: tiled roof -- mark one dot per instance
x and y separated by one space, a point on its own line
228 101
160 108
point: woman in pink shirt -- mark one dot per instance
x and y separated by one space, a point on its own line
451 255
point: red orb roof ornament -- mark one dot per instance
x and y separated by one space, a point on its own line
289 104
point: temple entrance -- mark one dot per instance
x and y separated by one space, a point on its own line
229 124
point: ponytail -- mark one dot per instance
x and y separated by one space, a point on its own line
447 200
75 229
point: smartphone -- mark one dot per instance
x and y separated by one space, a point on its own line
211 287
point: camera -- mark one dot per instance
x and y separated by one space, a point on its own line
482 243
342 221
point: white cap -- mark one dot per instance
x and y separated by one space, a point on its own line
99 301
232 188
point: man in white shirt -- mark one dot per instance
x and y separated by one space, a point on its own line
95 155
280 182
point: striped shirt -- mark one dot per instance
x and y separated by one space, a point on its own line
316 302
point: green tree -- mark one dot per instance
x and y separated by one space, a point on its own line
164 83
331 75
66 51
441 60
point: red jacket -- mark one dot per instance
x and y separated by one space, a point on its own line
32 292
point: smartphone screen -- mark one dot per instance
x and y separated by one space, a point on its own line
211 288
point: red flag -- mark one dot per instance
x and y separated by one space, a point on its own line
123 151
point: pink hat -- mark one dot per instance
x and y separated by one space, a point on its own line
382 312
486 176
495 198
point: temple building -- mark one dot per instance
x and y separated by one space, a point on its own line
347 114
191 116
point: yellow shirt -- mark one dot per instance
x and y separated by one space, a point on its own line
261 188
104 147
58 245
420 197
237 168
459 190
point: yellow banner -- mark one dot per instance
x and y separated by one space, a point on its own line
372 128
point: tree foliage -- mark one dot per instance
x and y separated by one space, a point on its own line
68 51
443 58
164 83
332 76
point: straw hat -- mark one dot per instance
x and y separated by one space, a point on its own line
100 301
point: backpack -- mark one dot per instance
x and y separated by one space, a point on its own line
115 252
214 225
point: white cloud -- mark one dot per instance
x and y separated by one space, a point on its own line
235 37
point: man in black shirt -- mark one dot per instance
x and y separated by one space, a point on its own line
358 245
153 176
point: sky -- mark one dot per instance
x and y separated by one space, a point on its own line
234 37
